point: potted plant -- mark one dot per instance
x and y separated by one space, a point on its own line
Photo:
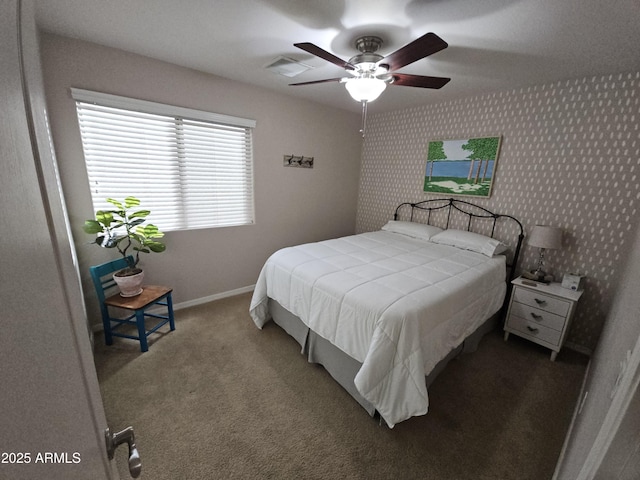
124 230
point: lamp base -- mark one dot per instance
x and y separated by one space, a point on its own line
538 276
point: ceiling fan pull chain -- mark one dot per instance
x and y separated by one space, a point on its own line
364 118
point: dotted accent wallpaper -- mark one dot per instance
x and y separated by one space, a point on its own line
569 157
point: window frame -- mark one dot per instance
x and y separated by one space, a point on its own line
178 114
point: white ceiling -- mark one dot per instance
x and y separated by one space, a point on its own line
493 44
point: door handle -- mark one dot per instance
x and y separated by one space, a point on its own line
115 439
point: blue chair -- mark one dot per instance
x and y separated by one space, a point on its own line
106 288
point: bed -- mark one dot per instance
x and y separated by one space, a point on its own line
384 311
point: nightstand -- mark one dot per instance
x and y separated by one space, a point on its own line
541 313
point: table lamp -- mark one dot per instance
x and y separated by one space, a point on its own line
543 237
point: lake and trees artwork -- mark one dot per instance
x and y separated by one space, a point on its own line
462 167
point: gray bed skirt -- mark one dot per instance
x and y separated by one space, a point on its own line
344 368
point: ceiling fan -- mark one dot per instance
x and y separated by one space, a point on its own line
371 72
379 71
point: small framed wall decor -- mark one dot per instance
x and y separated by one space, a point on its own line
462 167
298 161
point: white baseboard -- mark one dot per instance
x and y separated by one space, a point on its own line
211 298
579 348
197 301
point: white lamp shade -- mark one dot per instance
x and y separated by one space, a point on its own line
365 89
545 236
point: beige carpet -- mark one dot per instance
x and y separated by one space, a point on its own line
220 399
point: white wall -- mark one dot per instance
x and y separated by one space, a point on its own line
293 205
49 392
569 157
619 336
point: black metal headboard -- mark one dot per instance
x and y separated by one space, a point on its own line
470 212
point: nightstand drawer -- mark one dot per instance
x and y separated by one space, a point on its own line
543 302
533 330
541 313
538 316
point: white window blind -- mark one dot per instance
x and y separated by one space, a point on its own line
192 169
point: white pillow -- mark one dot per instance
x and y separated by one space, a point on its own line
470 241
411 229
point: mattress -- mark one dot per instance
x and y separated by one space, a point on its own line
396 304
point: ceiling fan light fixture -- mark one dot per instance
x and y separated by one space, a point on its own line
365 89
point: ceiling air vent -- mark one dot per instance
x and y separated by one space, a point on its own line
287 67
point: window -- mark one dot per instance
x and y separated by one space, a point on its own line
192 169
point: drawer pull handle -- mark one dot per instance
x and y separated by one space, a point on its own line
536 316
540 302
532 330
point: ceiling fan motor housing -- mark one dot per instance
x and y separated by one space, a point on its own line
367 45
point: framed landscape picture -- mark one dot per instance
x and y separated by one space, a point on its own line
462 167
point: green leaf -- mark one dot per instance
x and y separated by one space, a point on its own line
135 222
92 226
131 202
140 213
105 217
137 237
157 247
149 231
115 202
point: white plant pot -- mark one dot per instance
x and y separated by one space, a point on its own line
131 285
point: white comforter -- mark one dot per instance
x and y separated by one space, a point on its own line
396 304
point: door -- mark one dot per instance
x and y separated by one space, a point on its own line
52 420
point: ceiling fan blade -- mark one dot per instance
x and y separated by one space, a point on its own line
408 80
319 52
317 81
424 46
